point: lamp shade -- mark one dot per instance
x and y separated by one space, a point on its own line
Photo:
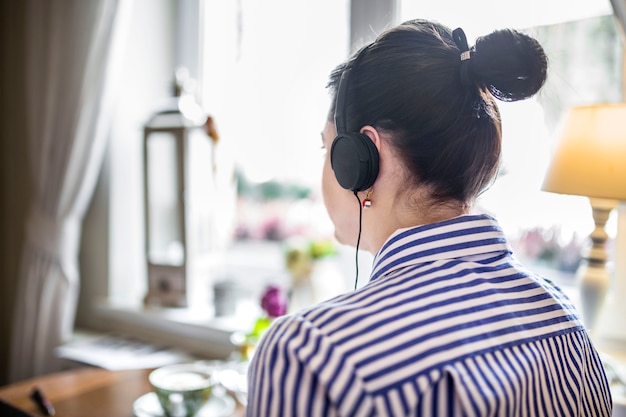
590 157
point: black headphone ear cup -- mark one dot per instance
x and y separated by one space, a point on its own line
354 159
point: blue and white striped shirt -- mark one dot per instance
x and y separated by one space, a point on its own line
448 325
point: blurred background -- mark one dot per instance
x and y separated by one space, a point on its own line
259 70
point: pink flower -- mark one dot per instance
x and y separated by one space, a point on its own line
274 302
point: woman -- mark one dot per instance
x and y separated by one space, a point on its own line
449 323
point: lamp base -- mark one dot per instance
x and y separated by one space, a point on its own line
593 283
592 276
611 322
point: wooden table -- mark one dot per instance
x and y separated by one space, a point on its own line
81 392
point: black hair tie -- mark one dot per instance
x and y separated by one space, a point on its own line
461 42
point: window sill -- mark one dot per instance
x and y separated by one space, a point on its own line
195 331
249 265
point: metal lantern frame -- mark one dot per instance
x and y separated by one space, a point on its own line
183 282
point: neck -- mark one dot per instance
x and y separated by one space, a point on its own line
380 221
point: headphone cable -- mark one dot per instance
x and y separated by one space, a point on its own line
358 240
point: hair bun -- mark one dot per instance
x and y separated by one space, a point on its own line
511 64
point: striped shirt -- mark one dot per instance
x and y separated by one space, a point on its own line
448 325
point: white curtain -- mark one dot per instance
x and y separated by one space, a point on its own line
71 61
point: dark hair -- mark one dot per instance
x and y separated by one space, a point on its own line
448 133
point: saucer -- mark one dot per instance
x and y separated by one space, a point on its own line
218 406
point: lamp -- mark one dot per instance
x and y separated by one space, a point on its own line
590 160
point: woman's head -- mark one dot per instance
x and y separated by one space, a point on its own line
438 111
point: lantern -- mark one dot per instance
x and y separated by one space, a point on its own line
178 172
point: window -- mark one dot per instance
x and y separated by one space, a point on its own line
266 90
266 83
264 70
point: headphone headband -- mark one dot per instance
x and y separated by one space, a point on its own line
353 156
340 102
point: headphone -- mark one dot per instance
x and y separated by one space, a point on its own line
353 156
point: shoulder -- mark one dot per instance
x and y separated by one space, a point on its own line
297 369
304 336
304 352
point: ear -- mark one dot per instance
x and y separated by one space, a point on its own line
373 134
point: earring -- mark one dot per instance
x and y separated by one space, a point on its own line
367 203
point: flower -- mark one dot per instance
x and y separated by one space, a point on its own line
274 302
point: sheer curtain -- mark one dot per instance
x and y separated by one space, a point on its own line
71 64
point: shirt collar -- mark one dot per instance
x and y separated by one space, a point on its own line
471 237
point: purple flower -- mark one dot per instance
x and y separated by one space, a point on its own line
274 302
